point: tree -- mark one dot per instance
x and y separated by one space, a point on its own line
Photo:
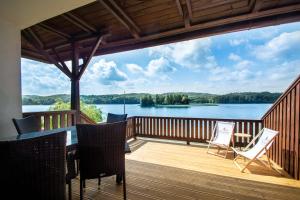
147 101
90 110
185 99
159 99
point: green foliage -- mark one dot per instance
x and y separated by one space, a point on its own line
175 99
147 101
160 99
167 98
90 110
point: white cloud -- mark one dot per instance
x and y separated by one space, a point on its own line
234 57
243 64
159 66
43 79
193 54
134 68
105 72
285 43
237 42
241 71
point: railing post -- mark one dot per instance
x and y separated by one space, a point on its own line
188 132
134 128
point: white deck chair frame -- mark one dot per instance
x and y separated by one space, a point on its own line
213 138
242 169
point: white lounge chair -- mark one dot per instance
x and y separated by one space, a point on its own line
222 135
266 138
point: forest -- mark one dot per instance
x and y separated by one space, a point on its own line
135 98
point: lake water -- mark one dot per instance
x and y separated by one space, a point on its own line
230 111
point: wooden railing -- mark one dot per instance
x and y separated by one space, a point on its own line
284 116
54 119
130 128
84 119
59 119
190 129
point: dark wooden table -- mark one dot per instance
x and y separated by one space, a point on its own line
71 143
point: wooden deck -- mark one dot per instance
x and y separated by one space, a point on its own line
158 170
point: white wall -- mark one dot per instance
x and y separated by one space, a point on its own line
10 77
25 13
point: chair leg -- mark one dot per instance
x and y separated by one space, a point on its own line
208 148
226 152
99 182
119 179
124 186
81 188
247 165
77 167
269 162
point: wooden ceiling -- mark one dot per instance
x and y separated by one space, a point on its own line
133 24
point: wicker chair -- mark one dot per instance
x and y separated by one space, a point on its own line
111 118
101 151
34 168
71 171
27 124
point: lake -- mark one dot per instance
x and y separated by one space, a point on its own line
230 111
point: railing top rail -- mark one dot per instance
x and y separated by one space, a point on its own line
87 118
198 118
50 112
295 82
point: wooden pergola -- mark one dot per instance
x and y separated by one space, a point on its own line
110 26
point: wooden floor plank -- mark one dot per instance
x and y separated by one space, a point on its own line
157 170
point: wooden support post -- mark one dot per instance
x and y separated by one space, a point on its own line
134 127
75 93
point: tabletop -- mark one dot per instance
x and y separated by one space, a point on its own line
71 142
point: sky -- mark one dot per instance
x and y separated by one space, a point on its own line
265 59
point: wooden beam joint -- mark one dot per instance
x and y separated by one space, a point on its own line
88 59
37 46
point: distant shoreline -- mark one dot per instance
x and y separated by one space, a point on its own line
134 98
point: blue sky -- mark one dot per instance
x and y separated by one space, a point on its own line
265 59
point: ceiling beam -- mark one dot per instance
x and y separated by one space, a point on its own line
189 7
202 5
51 60
77 23
272 16
53 30
257 5
182 9
90 56
83 22
120 14
36 37
186 18
183 36
179 7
